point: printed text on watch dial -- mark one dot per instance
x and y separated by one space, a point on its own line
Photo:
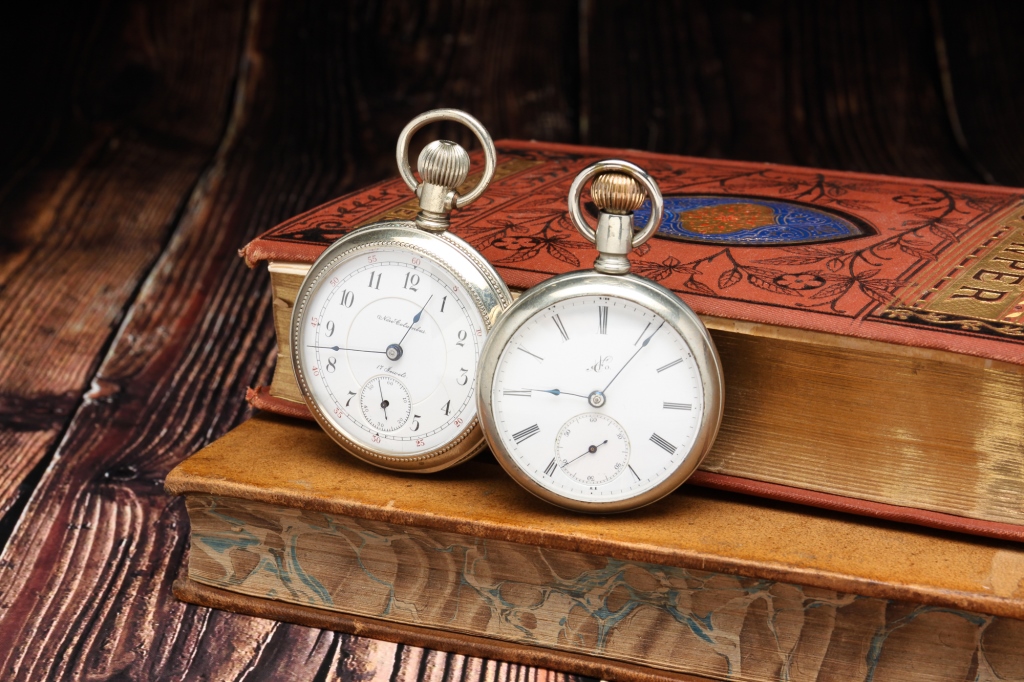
597 399
390 345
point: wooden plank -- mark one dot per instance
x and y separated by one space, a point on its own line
981 64
85 578
832 84
93 200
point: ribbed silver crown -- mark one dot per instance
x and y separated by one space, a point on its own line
444 163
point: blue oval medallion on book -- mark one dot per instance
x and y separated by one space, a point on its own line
749 221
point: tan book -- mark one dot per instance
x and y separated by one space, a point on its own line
871 328
702 583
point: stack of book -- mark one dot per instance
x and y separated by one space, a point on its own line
871 331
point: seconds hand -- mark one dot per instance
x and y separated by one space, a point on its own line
591 450
383 403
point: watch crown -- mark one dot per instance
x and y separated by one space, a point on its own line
443 166
443 163
617 193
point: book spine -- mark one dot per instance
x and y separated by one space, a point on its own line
744 453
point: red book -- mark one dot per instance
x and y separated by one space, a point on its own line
871 327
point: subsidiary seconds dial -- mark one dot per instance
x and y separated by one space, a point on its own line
585 459
597 399
378 395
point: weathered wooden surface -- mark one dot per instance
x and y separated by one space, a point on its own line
147 141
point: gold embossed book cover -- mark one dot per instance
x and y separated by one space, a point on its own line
871 328
927 264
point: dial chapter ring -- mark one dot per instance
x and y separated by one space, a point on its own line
490 153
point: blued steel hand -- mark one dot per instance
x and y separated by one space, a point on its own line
591 450
554 391
394 352
351 350
642 346
415 319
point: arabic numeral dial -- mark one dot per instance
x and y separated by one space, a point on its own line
596 398
388 347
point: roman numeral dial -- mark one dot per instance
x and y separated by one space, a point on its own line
520 436
663 444
561 327
596 398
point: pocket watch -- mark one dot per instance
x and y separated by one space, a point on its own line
389 322
600 391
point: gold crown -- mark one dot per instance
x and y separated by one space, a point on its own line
617 193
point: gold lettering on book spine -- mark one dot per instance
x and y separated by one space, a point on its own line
990 285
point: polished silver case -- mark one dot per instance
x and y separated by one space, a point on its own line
637 290
463 262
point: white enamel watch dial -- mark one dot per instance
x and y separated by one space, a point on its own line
389 323
597 399
389 346
601 391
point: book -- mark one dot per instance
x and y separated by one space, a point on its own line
707 583
871 328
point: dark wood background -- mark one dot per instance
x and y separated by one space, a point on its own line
144 142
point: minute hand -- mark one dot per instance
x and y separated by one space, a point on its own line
642 346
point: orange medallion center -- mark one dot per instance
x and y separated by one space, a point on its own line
727 218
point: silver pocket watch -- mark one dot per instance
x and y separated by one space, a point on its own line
389 324
598 390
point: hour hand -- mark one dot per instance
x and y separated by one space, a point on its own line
555 391
395 351
350 350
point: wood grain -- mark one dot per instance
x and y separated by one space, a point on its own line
148 141
982 83
85 579
851 85
87 215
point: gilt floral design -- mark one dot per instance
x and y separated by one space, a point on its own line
854 245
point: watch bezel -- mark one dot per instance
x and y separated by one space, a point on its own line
650 295
488 292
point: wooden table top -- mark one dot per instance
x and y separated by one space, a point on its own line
146 142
